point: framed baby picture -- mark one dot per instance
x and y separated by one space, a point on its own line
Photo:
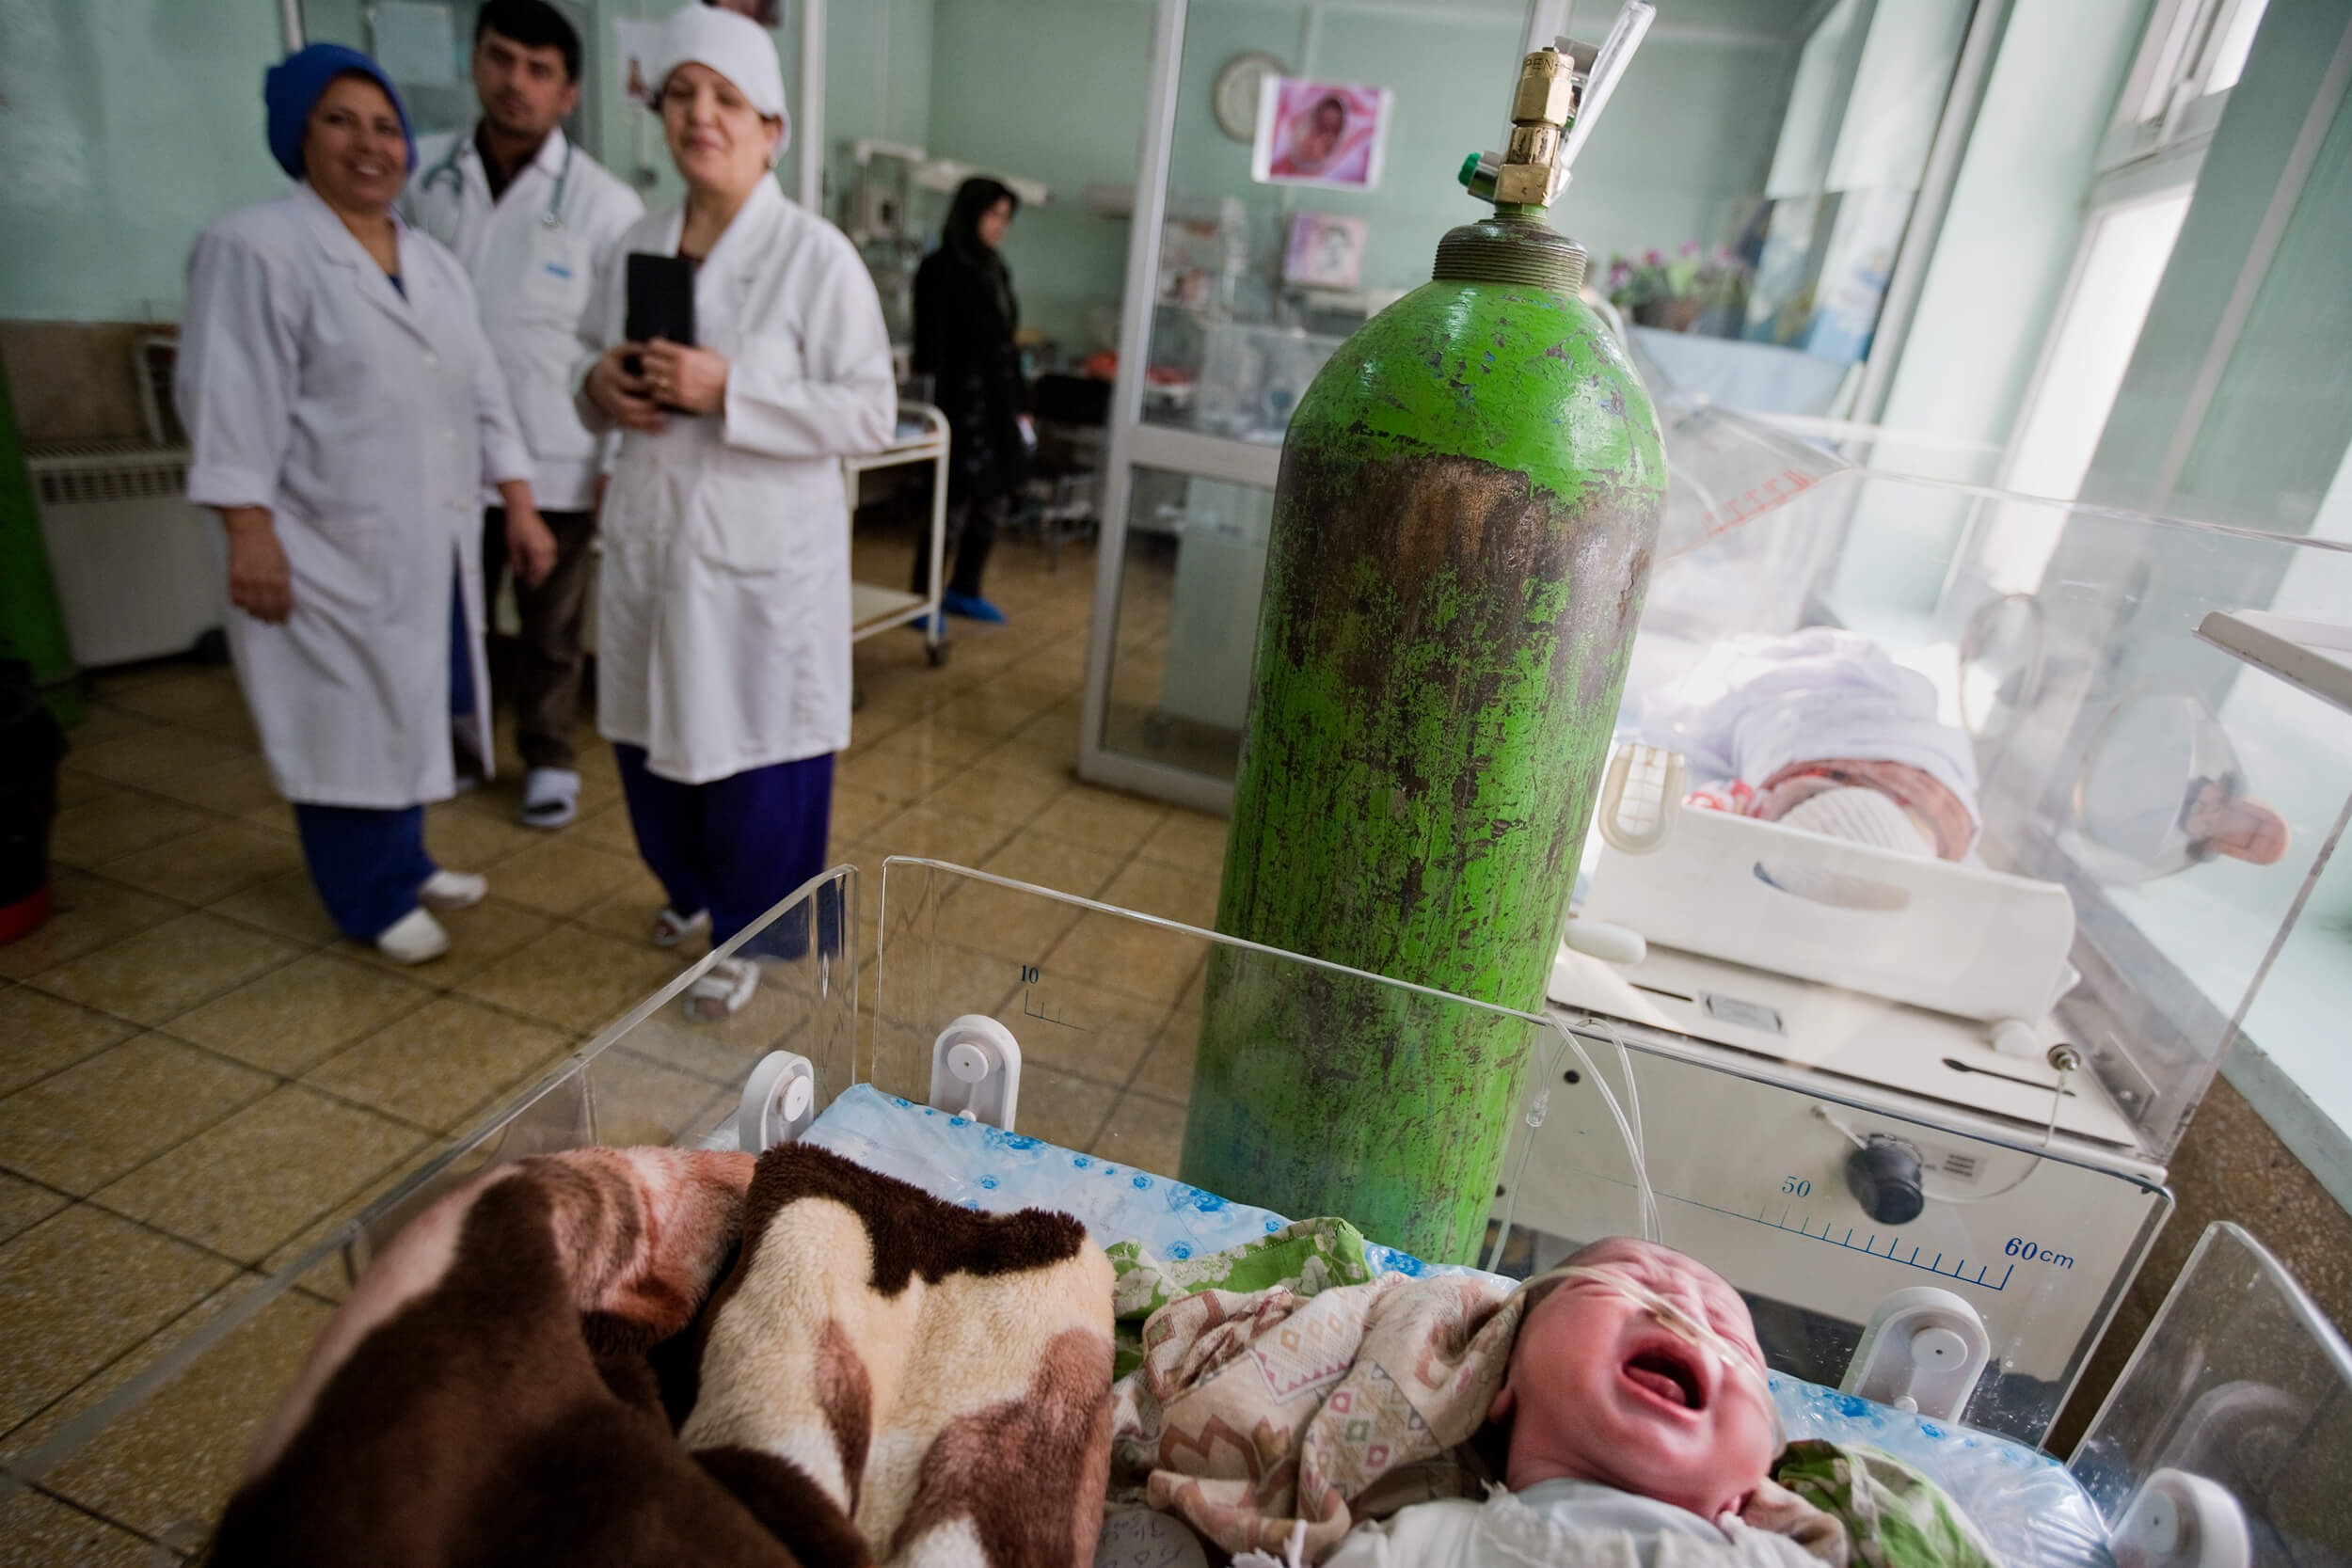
1326 251
1326 134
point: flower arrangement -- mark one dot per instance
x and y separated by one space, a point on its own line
1673 291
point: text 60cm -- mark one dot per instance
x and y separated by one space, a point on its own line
2032 1252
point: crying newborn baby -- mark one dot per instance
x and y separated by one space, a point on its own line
1639 1426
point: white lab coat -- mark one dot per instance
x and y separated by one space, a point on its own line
532 278
367 424
723 617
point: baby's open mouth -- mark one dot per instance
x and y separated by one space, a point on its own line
1666 1377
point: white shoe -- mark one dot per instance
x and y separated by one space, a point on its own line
722 988
453 889
670 928
412 939
550 797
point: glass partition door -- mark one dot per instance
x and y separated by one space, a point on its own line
1237 291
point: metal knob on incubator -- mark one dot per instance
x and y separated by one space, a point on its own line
1884 1176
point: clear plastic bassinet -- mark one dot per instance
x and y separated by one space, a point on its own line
1104 1005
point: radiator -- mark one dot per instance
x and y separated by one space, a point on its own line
141 574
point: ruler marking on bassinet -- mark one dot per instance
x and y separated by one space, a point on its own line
1827 1234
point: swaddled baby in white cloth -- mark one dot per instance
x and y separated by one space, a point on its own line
1821 730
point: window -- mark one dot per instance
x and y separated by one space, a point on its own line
2232 41
2122 257
2193 55
2122 261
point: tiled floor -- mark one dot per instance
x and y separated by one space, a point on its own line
197 1077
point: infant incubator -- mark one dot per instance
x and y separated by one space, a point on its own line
1866 1070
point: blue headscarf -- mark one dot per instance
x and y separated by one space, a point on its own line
293 87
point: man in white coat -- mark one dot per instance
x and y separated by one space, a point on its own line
533 218
723 614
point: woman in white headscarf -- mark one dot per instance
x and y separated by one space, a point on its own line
723 640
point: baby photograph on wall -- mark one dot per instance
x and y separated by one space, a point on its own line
1326 251
1320 134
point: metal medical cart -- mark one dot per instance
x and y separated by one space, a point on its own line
922 436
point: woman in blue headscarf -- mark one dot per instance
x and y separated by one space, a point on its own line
346 415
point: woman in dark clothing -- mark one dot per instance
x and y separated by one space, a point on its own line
964 319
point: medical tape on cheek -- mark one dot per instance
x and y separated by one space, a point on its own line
1673 1320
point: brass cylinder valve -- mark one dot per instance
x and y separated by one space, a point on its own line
1561 93
1541 110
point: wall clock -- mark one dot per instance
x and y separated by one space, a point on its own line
1235 94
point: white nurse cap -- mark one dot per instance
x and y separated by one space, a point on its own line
737 48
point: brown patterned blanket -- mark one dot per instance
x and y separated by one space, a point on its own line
624 1356
937 1378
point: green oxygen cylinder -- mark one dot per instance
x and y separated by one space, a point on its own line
1468 499
32 625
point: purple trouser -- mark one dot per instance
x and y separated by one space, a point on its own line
736 845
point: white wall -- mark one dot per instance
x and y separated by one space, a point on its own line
125 127
128 125
1054 89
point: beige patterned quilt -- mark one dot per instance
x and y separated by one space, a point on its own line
1255 1412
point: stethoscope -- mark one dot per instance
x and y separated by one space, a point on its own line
552 218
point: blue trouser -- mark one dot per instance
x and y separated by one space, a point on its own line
368 862
737 846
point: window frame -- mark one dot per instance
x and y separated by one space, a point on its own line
2167 110
2038 388
2154 149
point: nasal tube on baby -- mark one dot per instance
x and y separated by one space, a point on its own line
1675 1320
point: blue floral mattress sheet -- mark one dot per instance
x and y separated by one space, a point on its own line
997 1172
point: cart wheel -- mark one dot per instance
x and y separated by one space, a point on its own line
938 651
